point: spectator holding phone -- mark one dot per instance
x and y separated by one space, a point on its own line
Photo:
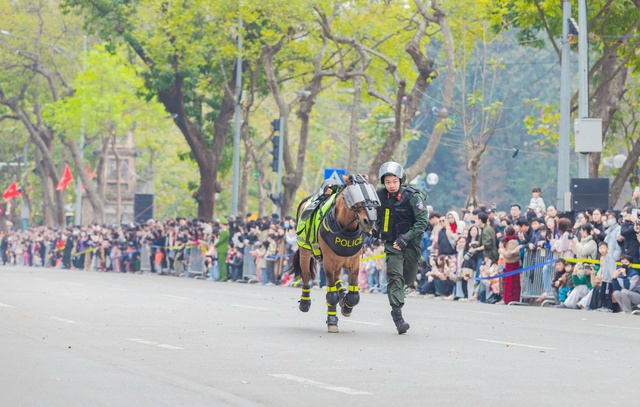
628 239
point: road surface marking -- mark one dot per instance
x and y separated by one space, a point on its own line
175 297
117 289
250 307
515 344
67 321
309 382
7 305
163 346
617 326
160 345
360 322
481 312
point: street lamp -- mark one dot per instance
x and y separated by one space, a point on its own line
619 160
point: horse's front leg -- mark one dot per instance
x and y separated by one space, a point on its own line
332 314
352 297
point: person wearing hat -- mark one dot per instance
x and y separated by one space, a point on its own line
402 218
222 248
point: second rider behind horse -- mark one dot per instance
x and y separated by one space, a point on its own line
402 218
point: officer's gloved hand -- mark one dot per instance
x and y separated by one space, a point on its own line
402 242
374 233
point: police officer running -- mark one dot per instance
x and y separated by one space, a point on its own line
402 218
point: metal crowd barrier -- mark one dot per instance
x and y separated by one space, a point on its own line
145 263
195 265
537 281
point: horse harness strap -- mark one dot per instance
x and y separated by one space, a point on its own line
342 242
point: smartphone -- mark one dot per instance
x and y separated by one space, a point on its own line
493 206
634 213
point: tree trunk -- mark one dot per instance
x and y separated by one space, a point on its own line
474 166
352 166
607 104
244 185
623 174
420 60
208 159
118 188
48 199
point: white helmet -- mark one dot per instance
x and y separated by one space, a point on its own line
391 168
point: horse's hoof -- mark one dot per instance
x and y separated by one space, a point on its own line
346 312
304 306
332 329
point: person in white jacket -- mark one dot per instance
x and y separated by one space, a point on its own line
612 231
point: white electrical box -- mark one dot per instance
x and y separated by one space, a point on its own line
588 135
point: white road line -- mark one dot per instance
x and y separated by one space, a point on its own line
481 312
66 321
175 296
163 346
117 289
160 345
309 382
617 326
250 307
360 322
6 305
515 344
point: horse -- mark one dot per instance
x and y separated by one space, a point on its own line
339 239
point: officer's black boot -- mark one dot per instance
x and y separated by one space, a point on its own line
401 324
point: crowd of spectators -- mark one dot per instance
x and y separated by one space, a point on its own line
589 256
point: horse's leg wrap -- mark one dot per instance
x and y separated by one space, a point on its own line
305 299
350 300
332 301
342 290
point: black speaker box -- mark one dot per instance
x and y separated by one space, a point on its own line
589 193
143 207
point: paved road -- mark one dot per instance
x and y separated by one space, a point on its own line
74 338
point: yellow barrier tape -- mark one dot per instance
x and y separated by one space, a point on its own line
377 256
592 261
84 252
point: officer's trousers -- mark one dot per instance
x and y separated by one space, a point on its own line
402 267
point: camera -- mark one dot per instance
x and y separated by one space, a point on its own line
571 236
467 256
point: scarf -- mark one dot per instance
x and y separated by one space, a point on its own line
508 239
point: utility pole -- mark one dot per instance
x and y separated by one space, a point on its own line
583 88
79 181
565 112
236 136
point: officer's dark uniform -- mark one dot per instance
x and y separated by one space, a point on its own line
403 213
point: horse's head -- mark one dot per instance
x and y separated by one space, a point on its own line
361 197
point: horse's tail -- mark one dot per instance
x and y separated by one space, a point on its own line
296 268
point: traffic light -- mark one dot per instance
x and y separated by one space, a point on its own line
275 124
275 140
276 198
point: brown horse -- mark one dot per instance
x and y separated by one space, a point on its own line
339 238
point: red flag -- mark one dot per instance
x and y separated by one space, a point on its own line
67 177
11 192
90 174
